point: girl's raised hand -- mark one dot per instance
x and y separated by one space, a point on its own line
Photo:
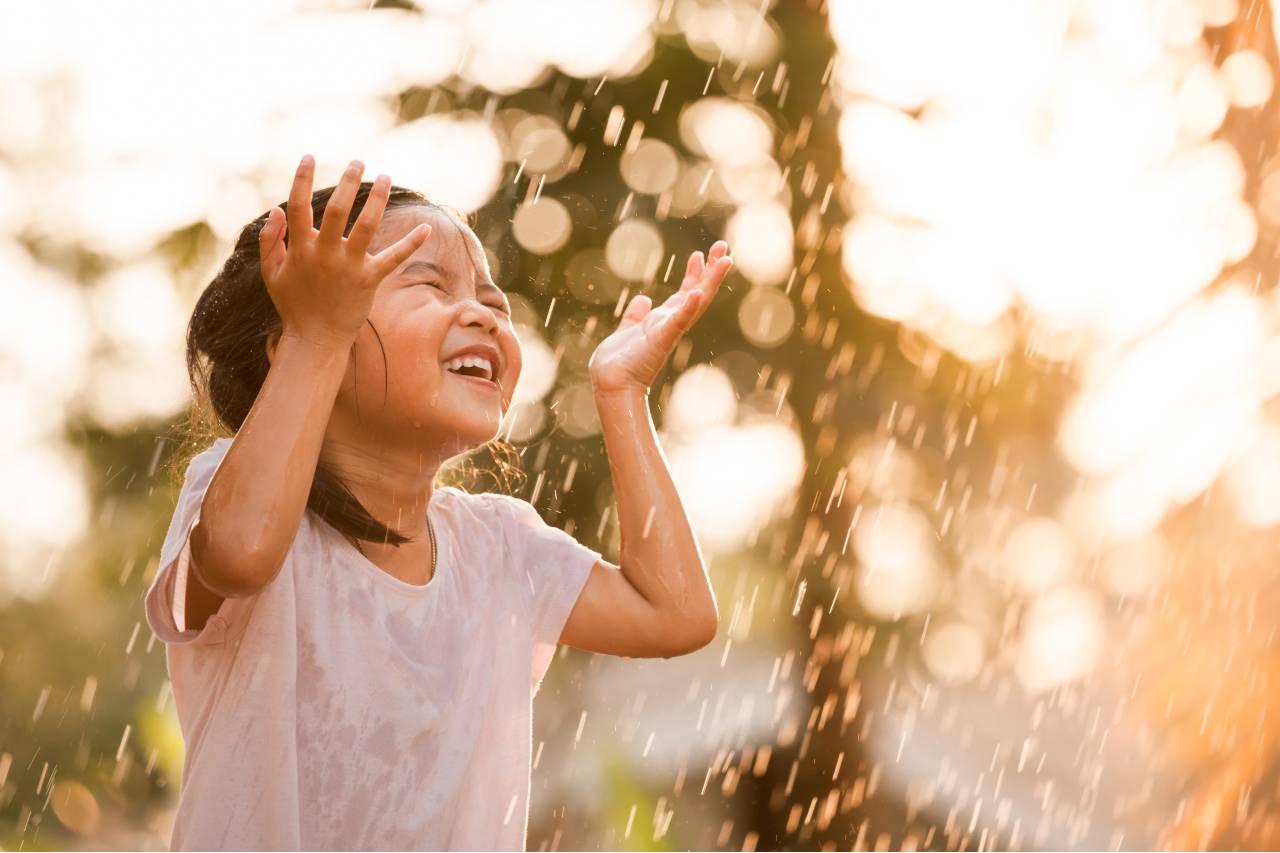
630 358
323 285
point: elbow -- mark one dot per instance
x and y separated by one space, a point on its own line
229 579
708 633
695 636
230 575
242 584
708 624
248 575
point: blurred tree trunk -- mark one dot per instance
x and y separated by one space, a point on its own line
815 793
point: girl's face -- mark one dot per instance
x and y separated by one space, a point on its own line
438 303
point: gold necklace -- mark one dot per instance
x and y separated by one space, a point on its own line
431 530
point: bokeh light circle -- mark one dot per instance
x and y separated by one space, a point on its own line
954 652
542 226
766 317
634 250
652 167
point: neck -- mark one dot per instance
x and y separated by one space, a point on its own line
394 485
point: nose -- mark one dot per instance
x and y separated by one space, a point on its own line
474 313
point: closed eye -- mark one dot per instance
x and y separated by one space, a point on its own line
501 307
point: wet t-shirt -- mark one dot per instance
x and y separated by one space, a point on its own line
340 708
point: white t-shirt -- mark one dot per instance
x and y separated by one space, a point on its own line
343 709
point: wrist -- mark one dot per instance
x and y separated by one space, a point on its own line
624 392
323 343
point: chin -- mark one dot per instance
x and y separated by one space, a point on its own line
460 432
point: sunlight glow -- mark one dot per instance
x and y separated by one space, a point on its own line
761 239
962 209
1062 638
1158 422
702 398
537 367
734 32
728 500
954 652
900 569
456 159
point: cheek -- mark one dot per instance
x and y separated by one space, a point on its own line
514 368
400 354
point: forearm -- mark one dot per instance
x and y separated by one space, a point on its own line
255 501
659 552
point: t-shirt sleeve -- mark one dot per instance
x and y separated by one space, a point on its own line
551 567
166 597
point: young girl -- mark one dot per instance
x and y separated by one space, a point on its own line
353 650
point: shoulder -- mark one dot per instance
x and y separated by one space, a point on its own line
215 450
503 517
481 502
481 523
468 501
476 513
206 461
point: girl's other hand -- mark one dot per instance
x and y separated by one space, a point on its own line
630 358
323 285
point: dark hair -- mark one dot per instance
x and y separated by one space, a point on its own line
227 357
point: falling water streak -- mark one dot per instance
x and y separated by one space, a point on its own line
662 90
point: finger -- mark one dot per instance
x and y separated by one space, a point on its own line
267 235
718 250
710 283
693 269
398 252
673 309
678 315
706 279
268 239
688 312
367 223
299 206
338 210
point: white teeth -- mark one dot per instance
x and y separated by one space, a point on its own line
456 364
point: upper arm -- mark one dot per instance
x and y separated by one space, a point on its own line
180 606
182 610
612 617
201 602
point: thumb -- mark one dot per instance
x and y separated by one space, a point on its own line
636 311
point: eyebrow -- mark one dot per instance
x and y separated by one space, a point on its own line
428 266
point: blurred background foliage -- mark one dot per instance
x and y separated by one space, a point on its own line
979 437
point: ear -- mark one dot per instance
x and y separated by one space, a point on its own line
273 340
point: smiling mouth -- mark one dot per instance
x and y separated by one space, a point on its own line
477 380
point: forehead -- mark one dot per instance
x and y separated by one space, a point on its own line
452 244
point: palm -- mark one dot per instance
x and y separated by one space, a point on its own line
632 356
